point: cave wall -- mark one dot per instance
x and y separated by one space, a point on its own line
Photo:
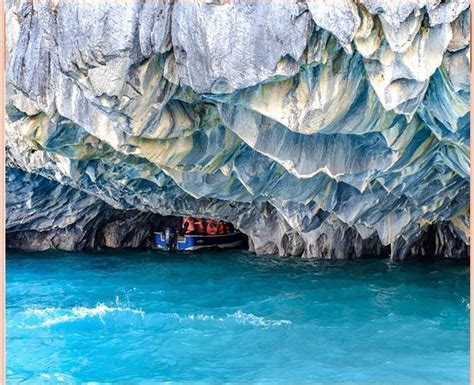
43 214
319 128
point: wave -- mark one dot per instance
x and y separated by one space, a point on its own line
45 317
35 317
59 377
249 318
239 317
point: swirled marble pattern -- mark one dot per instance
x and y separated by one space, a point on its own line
328 129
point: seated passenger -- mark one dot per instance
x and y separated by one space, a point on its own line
200 229
211 228
220 228
188 225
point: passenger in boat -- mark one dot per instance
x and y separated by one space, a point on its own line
220 228
200 229
188 225
211 228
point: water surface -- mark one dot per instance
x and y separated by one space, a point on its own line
140 317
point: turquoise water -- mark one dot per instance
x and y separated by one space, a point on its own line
139 317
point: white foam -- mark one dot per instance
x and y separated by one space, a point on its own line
202 317
61 377
52 316
239 317
249 318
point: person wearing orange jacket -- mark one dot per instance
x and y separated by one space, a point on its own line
199 226
211 228
220 228
188 225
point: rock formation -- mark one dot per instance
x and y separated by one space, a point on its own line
328 129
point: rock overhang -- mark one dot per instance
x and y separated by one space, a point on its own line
321 131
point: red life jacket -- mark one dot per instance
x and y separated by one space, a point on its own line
188 225
220 228
199 226
211 227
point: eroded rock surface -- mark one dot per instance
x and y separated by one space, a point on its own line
319 128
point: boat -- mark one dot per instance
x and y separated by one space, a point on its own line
169 240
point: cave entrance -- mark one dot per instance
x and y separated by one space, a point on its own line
198 233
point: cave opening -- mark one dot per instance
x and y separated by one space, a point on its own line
436 241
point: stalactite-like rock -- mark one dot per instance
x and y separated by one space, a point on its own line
319 128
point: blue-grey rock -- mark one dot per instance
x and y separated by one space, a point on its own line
319 128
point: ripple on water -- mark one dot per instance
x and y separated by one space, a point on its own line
139 317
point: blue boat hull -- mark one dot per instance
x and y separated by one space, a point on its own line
199 242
